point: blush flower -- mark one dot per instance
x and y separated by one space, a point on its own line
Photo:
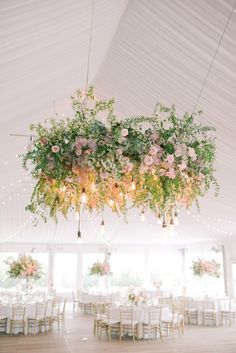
120 151
192 153
178 151
55 149
153 150
124 132
148 160
171 173
183 165
170 158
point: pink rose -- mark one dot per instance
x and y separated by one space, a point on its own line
92 145
178 151
124 132
83 142
171 173
78 151
55 149
154 136
148 160
129 167
104 175
153 150
120 151
170 158
192 153
183 165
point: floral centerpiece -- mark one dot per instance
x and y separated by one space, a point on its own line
100 268
94 159
24 267
136 298
206 267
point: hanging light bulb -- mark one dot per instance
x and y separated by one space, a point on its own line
111 202
159 219
79 235
102 230
83 196
142 216
164 224
176 220
172 222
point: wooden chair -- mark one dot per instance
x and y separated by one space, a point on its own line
38 321
107 323
172 323
3 320
153 325
18 318
127 323
209 313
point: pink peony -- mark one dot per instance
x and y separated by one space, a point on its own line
55 149
153 150
183 165
178 151
104 175
92 145
192 153
170 158
124 132
154 136
171 173
148 160
129 167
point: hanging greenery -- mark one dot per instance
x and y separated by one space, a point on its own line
96 160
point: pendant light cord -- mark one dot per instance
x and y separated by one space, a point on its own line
213 59
90 46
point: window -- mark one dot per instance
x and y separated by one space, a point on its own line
166 272
127 269
65 272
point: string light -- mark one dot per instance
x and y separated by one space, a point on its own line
83 196
142 216
102 230
159 219
176 219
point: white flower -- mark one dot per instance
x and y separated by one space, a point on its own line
124 132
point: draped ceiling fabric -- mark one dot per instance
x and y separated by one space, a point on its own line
142 52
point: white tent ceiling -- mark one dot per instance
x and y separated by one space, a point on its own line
142 52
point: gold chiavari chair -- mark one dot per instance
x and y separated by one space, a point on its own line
107 323
127 323
18 318
153 325
209 313
172 323
38 321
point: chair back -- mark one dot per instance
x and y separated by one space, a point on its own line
154 314
126 314
41 308
209 305
18 312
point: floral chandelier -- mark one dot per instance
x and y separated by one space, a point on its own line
95 160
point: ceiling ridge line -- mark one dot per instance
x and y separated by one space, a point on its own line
214 56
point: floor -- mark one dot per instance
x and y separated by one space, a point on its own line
78 338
